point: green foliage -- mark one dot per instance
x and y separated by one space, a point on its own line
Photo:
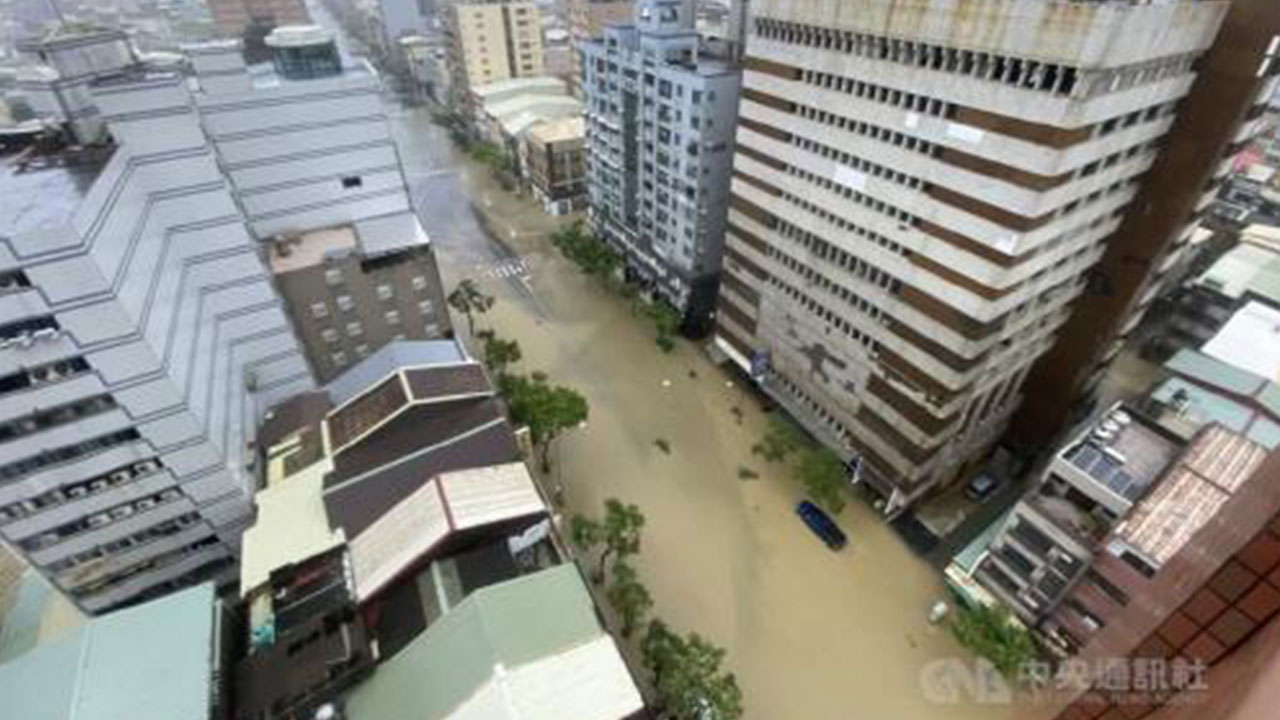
499 354
592 256
746 473
628 598
781 439
823 475
687 677
548 410
991 631
468 299
585 534
618 532
666 323
663 445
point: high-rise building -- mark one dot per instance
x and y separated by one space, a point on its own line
1224 112
141 340
492 41
587 20
660 110
918 196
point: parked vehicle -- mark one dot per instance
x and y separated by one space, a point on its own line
821 525
981 487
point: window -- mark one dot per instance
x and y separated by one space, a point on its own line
385 292
362 349
352 181
319 310
345 303
329 335
431 329
426 307
419 283
339 359
333 276
355 329
393 317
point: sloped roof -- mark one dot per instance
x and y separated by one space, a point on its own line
100 671
388 359
526 649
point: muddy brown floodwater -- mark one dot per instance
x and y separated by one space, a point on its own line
810 633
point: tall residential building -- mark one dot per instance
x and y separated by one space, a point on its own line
919 194
141 340
232 17
492 41
660 111
587 20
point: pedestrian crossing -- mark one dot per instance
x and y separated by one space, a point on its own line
517 267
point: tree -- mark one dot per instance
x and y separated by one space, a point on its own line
585 533
992 632
618 532
781 439
468 299
666 321
548 410
628 598
499 354
593 257
687 677
823 475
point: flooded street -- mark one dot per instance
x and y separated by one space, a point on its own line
810 633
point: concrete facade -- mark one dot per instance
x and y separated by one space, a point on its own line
919 194
660 114
232 16
142 340
587 21
490 42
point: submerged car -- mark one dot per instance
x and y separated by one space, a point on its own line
821 524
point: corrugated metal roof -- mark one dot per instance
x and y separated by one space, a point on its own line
148 662
1235 272
1212 371
452 502
391 233
1250 341
489 635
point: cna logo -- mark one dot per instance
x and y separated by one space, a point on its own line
950 680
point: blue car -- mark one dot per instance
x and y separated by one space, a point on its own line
821 525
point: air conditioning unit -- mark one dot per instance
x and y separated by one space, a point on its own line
170 494
98 485
146 504
78 491
120 476
8 282
46 334
121 512
24 340
98 520
41 374
147 466
62 368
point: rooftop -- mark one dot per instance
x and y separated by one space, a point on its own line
1214 467
503 87
290 527
562 130
1246 269
1124 451
371 237
391 358
97 672
485 659
46 194
1250 341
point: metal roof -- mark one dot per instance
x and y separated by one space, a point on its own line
99 672
291 526
1250 340
391 233
1212 371
389 358
487 659
1247 267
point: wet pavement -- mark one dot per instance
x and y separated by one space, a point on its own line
811 633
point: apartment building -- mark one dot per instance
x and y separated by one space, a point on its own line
554 157
141 340
353 288
918 196
660 111
493 41
587 20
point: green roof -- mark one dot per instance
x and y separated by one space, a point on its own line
1206 405
512 623
149 662
1198 366
1265 284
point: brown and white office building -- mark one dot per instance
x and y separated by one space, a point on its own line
918 197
